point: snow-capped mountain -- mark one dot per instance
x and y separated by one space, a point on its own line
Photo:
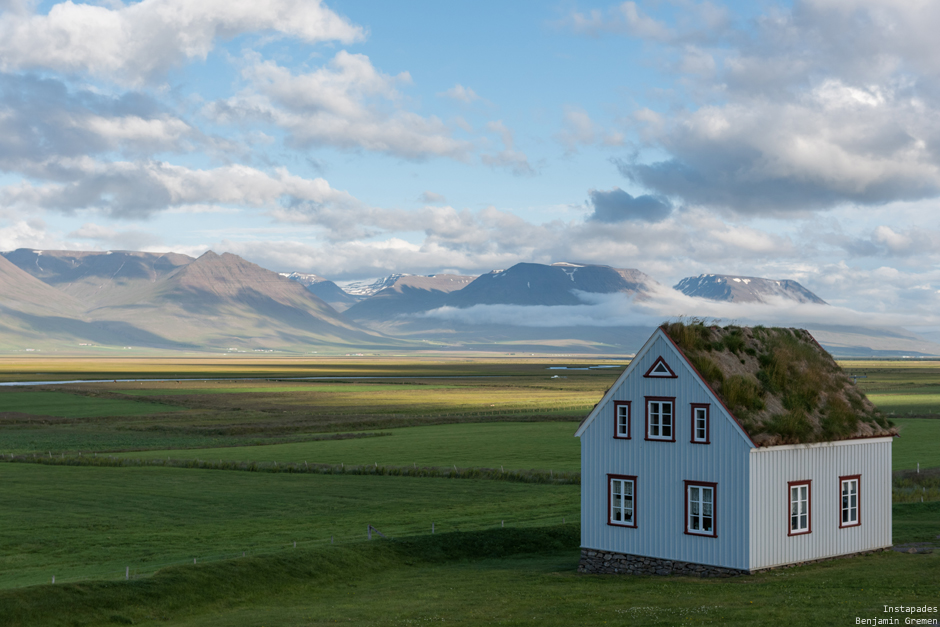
745 289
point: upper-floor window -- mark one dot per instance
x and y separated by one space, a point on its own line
660 418
622 420
700 508
849 510
800 502
622 499
660 369
701 423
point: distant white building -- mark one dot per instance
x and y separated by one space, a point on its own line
673 482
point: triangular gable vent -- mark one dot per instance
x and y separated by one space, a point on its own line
660 369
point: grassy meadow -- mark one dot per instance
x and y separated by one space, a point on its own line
87 524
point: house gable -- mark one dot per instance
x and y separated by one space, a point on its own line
676 364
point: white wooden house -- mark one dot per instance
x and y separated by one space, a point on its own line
673 481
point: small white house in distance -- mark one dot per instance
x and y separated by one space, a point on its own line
730 450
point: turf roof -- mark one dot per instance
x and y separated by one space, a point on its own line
779 383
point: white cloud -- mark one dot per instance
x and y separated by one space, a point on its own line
809 107
626 18
617 309
347 103
432 199
139 42
139 189
510 158
460 93
127 239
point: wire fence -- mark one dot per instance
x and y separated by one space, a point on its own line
376 531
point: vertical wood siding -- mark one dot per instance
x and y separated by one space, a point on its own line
662 467
771 468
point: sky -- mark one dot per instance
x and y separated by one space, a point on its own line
358 139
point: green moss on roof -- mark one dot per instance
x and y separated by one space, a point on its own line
779 383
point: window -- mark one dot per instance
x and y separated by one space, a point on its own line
800 501
660 369
621 496
700 423
659 418
849 489
700 508
622 420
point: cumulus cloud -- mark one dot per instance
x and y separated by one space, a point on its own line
139 42
617 206
139 189
42 119
808 108
347 103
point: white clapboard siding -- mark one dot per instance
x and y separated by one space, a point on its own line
772 468
662 467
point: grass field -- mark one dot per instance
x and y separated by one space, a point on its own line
512 445
87 524
192 414
64 405
501 576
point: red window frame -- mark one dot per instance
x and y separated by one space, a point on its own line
659 360
646 430
610 521
617 406
858 501
809 507
714 488
708 423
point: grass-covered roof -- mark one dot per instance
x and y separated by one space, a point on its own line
779 383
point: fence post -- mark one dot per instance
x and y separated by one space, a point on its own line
502 523
127 573
53 579
331 539
369 531
432 528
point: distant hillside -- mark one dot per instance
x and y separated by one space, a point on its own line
408 294
538 284
745 289
99 278
34 315
324 289
396 310
170 302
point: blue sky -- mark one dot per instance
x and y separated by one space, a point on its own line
356 139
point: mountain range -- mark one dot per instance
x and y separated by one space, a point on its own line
63 299
164 302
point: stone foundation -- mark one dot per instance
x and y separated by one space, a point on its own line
604 563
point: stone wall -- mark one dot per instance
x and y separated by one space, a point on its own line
605 563
602 563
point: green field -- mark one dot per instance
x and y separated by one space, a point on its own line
64 405
82 523
500 576
86 524
512 445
